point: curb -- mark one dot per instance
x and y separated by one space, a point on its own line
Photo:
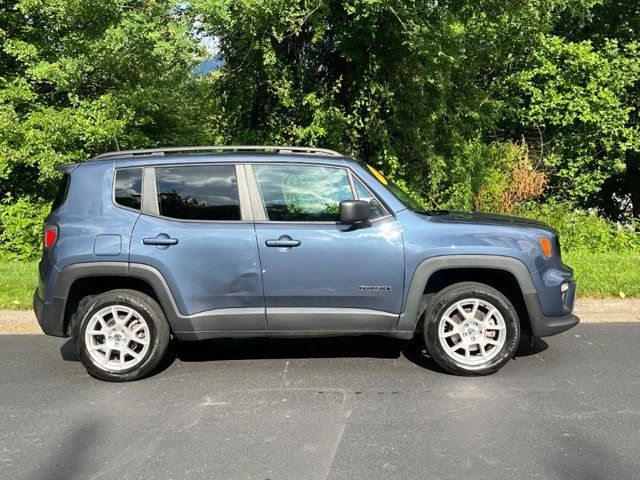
590 310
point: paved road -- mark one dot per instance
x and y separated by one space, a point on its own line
361 408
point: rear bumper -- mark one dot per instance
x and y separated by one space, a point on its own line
50 315
544 326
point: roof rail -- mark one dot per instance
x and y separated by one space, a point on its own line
237 148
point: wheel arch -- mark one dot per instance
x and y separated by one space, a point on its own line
507 274
77 281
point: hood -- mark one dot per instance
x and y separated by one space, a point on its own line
480 218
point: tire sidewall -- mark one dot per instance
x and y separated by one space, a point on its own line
154 319
444 301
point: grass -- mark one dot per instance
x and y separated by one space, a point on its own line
598 274
611 274
18 280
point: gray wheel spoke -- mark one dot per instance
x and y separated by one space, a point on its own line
495 327
458 346
103 323
461 310
141 341
131 352
474 310
137 329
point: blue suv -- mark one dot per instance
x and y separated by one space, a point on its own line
209 242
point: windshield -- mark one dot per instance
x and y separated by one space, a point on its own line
410 202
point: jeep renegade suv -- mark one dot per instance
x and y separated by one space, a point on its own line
209 242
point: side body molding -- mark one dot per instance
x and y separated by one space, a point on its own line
414 306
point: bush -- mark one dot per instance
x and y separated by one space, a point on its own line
21 228
584 229
496 177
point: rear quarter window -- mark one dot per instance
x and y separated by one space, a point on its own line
128 188
61 193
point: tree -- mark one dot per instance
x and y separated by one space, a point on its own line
80 78
404 85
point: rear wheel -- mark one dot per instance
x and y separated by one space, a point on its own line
471 329
120 335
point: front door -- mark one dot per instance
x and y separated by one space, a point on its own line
319 274
195 231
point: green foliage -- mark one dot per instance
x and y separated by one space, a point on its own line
577 96
582 230
452 100
405 86
79 78
21 228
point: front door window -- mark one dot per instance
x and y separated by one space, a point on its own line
297 193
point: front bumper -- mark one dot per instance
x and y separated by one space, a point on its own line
546 326
50 315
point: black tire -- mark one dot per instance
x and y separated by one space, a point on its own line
449 296
153 315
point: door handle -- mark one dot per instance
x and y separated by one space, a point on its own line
285 241
162 240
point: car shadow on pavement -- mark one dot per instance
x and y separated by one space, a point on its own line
68 351
365 346
530 346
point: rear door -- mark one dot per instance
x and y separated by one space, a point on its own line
196 229
318 273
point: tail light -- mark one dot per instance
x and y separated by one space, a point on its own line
50 235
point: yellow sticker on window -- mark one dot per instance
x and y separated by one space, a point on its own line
378 175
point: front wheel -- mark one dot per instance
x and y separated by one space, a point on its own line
471 329
120 335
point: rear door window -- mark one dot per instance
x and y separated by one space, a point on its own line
198 192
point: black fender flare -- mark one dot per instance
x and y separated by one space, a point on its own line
414 306
68 275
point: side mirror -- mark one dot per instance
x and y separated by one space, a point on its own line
354 211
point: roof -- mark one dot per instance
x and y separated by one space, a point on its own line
155 152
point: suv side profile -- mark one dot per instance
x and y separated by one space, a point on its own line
208 242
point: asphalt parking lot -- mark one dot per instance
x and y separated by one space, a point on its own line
342 408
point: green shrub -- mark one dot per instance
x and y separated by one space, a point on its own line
21 228
584 229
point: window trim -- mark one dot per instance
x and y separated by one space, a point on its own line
257 202
383 205
113 189
150 205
